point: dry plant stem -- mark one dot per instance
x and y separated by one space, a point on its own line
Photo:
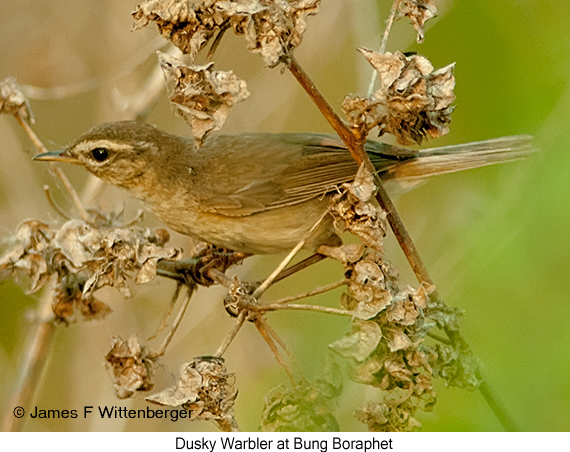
216 43
139 106
303 307
177 321
42 334
339 127
272 277
276 338
58 172
401 233
311 293
311 260
356 149
220 278
230 337
262 327
55 206
382 49
439 338
495 404
269 280
36 354
168 312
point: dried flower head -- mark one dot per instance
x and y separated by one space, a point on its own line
386 343
418 11
205 387
271 28
131 367
353 211
202 96
83 259
413 101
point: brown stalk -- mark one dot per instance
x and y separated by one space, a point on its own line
230 337
265 332
354 140
355 145
177 321
36 355
58 172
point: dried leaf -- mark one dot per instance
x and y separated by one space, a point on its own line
456 367
131 368
354 212
346 254
205 387
361 342
402 312
69 304
418 11
278 29
187 25
398 340
202 96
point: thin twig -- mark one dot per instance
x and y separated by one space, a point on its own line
273 276
164 321
334 120
216 43
401 233
35 359
307 262
311 293
230 337
382 49
356 147
140 105
260 324
220 277
177 321
58 172
495 403
55 206
74 89
439 338
303 307
277 339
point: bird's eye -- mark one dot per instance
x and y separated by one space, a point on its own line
100 154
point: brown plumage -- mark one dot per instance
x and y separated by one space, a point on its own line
256 193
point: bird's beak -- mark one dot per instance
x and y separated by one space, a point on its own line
57 156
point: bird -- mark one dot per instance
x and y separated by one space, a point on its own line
257 193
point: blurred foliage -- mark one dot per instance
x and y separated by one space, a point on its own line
495 239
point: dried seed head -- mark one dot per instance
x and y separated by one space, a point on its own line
131 368
413 101
203 97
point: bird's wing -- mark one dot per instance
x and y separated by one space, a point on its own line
267 171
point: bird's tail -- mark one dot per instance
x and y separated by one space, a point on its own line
448 159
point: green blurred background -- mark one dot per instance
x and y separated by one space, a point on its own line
495 239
